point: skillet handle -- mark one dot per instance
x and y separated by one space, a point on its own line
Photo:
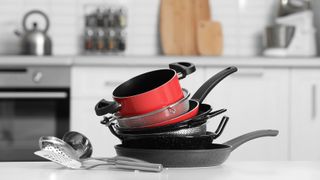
104 107
236 142
221 126
215 113
205 89
183 68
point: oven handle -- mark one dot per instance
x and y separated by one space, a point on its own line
33 95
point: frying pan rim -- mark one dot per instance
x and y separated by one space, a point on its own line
225 148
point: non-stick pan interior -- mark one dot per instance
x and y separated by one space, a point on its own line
144 83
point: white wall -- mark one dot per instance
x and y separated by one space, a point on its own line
243 23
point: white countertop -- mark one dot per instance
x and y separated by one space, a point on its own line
228 171
159 60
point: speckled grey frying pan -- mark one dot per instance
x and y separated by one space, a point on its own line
214 154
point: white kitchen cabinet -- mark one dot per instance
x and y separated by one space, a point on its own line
256 98
305 116
90 84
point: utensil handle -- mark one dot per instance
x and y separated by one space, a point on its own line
204 90
183 68
138 166
236 142
104 107
117 158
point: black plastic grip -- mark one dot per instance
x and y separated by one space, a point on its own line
105 107
205 89
184 68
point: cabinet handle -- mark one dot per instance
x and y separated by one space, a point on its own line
112 83
314 101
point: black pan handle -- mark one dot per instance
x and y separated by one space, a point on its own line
204 118
236 142
104 107
215 113
205 89
183 68
221 126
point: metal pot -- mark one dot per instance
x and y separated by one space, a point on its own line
293 6
35 41
147 92
279 36
154 117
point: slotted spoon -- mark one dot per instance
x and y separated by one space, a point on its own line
58 151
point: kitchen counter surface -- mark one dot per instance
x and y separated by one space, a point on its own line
199 61
228 171
159 61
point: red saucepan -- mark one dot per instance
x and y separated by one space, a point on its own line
147 92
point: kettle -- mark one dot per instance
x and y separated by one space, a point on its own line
35 41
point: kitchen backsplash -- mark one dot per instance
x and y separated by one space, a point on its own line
243 23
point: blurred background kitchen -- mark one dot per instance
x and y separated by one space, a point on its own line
59 58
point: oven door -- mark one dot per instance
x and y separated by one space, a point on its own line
27 114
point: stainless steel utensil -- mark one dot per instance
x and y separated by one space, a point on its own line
80 143
83 147
278 36
293 6
58 151
35 41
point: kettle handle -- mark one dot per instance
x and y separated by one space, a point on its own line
24 21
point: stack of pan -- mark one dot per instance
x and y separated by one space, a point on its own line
152 111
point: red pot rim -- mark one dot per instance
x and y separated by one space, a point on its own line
154 89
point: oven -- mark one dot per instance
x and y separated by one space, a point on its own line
34 102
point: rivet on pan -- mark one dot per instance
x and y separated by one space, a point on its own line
171 110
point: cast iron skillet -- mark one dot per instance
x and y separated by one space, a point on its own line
155 141
212 155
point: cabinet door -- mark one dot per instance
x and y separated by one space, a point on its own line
256 99
305 116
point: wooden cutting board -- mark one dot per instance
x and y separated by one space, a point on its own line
178 27
209 38
202 10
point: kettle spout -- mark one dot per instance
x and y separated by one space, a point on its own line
16 32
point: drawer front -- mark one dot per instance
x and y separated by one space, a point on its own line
101 81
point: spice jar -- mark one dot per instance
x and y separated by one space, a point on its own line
100 39
122 41
89 39
111 40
